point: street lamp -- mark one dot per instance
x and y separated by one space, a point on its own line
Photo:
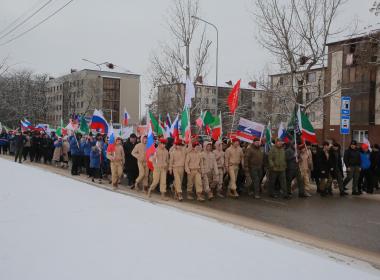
217 50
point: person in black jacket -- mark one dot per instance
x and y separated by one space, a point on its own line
315 172
352 161
325 166
130 165
337 172
375 167
19 144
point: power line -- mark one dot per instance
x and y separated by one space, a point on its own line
25 20
18 18
38 24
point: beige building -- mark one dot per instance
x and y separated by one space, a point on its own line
283 87
81 92
253 104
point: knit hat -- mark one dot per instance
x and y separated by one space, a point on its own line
365 146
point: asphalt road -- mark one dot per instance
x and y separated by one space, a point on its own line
353 221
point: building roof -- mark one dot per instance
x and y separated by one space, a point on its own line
311 70
99 73
351 39
212 86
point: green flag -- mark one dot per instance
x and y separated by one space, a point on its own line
84 126
185 125
208 118
268 135
155 125
58 132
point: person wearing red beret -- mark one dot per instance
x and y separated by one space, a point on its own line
233 159
177 166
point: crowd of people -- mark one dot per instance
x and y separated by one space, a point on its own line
205 169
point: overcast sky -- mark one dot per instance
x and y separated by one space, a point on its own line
126 31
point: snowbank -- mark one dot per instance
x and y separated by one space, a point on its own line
52 227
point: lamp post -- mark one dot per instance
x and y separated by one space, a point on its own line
217 50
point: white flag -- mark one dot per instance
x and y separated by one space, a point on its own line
189 93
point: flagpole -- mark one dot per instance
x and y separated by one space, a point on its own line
232 124
295 135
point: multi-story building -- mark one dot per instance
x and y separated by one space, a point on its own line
353 71
253 103
283 90
81 92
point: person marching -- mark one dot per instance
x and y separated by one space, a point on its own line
210 175
253 165
219 157
194 168
139 153
233 158
160 163
177 166
116 158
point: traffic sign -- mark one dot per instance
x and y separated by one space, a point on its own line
345 105
344 124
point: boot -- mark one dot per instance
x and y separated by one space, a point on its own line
233 194
200 197
145 189
164 197
210 195
149 192
190 196
114 186
179 196
220 194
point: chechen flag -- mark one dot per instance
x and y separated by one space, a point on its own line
233 98
150 149
125 118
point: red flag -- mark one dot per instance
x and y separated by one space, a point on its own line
233 98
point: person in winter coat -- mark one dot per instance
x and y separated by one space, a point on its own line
352 161
139 153
94 165
219 156
86 144
160 161
210 174
293 172
276 168
177 157
253 166
19 144
4 142
27 146
130 167
46 145
12 143
305 163
337 172
365 178
75 154
325 168
233 158
116 157
375 167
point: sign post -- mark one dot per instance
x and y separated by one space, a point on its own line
345 118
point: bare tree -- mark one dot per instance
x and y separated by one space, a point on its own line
172 62
296 34
23 95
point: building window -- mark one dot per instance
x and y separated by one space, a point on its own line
206 100
214 101
281 81
111 98
311 116
359 135
81 104
311 77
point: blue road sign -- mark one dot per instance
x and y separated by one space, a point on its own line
345 105
344 124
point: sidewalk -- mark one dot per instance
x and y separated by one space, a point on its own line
347 226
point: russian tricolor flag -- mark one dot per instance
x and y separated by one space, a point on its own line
150 149
125 118
111 140
98 122
175 128
25 125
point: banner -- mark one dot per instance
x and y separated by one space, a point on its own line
249 130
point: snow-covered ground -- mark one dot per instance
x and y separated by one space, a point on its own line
52 227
